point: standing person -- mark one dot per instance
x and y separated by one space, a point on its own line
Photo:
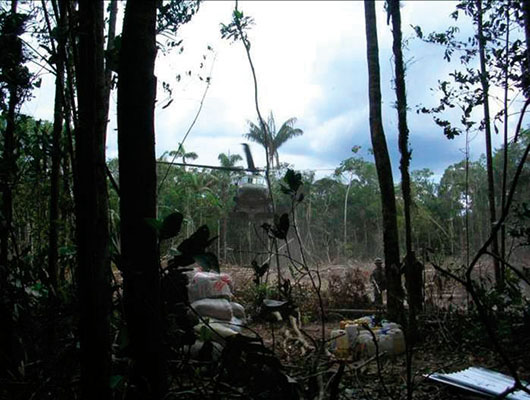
378 280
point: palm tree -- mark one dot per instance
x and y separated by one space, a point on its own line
229 160
271 139
181 153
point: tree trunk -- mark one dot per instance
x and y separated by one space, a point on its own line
413 284
91 208
384 170
9 348
249 241
366 242
136 145
499 278
113 12
70 106
526 16
53 236
506 72
219 239
225 231
9 161
345 222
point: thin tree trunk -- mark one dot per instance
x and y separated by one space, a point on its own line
466 215
384 170
9 161
113 12
9 347
249 240
70 105
225 232
366 242
526 17
137 162
219 239
91 208
499 278
53 236
345 222
413 278
506 144
240 250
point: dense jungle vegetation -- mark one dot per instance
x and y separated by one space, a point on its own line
95 253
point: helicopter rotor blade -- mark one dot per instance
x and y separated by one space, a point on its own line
248 155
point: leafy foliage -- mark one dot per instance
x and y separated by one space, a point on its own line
172 14
273 139
171 226
193 250
462 90
240 23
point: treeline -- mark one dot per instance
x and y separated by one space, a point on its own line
340 216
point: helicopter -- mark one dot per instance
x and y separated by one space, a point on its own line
252 197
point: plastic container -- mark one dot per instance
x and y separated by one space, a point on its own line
398 341
390 325
352 331
368 320
386 344
365 345
340 345
345 322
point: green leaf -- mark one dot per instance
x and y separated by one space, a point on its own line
171 225
418 31
281 226
196 243
293 179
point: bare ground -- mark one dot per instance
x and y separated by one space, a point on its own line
441 347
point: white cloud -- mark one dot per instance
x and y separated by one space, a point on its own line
310 59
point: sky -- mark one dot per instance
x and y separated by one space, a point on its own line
310 60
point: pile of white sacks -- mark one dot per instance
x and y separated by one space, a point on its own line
210 296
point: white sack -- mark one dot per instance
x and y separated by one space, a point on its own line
209 285
214 308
